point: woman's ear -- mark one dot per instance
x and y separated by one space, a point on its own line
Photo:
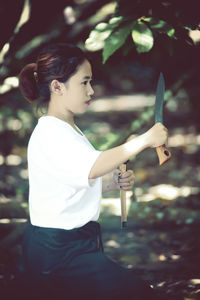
56 87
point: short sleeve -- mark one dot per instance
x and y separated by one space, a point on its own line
70 156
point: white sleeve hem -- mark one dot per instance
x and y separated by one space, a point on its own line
91 182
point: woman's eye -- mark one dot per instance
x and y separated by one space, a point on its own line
84 82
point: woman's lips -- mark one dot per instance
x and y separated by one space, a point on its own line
88 102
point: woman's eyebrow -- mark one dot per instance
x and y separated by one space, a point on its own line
87 77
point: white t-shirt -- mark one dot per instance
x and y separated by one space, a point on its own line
59 163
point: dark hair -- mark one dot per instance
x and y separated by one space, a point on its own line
58 61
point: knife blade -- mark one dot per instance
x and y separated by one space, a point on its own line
163 153
160 91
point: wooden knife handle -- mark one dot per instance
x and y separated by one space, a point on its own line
163 154
123 201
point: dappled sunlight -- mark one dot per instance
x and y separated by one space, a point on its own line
166 192
13 160
5 221
112 243
162 257
25 16
69 15
4 199
175 257
8 84
163 191
170 192
13 220
3 52
1 159
121 103
195 36
24 204
113 205
183 139
14 124
106 10
160 284
195 281
100 128
24 174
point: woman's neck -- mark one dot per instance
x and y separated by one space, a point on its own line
70 122
69 118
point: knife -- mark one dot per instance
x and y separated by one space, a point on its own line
163 153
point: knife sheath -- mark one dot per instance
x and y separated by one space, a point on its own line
163 154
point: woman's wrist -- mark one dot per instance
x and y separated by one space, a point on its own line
137 144
110 181
109 186
146 137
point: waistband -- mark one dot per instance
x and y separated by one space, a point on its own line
90 230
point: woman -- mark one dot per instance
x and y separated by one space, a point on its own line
62 244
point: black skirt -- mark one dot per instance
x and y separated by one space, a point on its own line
70 264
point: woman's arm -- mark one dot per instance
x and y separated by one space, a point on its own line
110 159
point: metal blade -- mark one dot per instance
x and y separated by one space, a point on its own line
160 91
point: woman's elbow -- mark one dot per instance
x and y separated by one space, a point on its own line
93 174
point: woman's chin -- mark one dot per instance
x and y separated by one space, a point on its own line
81 112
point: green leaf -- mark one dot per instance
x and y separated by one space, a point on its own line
161 26
97 37
157 24
142 37
115 20
189 28
171 32
116 40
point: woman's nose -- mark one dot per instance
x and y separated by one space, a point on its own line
90 91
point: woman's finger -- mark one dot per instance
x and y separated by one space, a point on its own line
130 178
126 174
126 185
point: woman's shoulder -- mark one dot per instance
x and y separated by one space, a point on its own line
52 125
52 129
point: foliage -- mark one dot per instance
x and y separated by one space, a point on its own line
144 21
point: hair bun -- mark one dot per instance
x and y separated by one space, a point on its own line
28 83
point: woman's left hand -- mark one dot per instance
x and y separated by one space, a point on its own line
123 181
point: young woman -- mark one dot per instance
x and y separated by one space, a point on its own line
62 244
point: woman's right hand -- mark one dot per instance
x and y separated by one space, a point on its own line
157 135
110 159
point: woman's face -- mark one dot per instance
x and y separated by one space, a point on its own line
78 91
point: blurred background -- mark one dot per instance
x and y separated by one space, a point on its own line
128 43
